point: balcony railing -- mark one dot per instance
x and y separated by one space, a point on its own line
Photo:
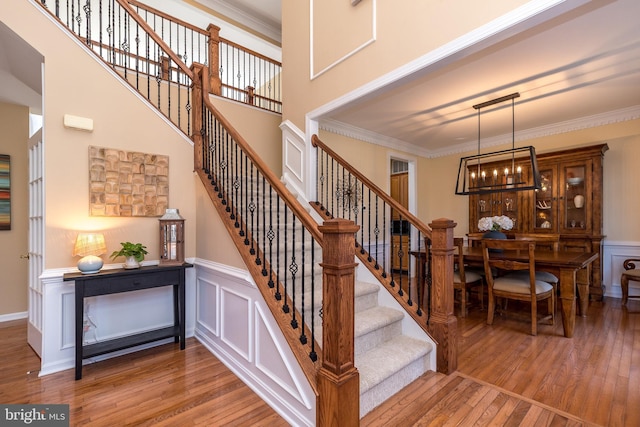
152 49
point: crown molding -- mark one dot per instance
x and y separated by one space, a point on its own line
603 119
248 21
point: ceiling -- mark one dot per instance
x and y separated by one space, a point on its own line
576 70
573 71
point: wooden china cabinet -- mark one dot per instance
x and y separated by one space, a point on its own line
569 204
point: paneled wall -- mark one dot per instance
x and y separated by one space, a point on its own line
233 321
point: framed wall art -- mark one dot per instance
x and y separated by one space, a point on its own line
5 192
127 183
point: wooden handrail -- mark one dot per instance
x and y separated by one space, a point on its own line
152 34
316 142
201 31
252 52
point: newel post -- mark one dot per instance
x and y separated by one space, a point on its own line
214 59
196 97
443 323
338 378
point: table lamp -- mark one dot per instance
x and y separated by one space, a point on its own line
89 246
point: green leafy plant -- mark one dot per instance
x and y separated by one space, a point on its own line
136 250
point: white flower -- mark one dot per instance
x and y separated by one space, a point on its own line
495 223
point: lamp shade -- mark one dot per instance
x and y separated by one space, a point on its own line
89 246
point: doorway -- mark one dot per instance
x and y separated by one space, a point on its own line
400 230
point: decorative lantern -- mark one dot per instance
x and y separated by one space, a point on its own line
171 238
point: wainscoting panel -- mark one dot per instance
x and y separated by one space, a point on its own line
235 325
274 367
613 256
249 341
207 294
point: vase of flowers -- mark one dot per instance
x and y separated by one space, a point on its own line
494 225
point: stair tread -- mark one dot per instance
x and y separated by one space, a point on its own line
375 318
383 361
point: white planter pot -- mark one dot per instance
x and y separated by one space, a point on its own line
131 263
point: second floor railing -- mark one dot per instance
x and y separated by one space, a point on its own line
237 72
152 49
118 35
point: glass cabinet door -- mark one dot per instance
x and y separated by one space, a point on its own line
576 203
545 207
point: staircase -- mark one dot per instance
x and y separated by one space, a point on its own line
388 354
387 359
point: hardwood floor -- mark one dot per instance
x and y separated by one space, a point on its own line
161 386
505 377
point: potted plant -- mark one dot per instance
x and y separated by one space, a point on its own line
133 252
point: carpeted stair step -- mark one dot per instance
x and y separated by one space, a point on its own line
375 326
389 367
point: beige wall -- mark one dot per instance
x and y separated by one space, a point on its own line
258 127
75 83
14 122
339 29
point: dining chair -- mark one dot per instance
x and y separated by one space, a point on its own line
514 287
475 239
464 280
550 241
630 273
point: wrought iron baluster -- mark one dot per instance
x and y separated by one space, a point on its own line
271 235
303 336
384 239
236 185
313 355
278 294
264 224
285 306
252 209
293 269
245 197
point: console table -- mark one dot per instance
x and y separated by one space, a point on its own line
119 280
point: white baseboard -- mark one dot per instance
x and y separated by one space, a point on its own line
13 316
613 255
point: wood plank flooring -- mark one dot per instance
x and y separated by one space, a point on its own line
505 377
161 386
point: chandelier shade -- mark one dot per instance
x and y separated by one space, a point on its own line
515 169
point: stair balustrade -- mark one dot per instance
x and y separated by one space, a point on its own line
296 267
426 292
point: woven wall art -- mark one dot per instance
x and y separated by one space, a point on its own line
125 183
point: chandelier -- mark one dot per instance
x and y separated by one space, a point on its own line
515 169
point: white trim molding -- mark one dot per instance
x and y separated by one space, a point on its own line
613 255
235 324
347 55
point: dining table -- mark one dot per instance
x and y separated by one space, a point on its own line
565 264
